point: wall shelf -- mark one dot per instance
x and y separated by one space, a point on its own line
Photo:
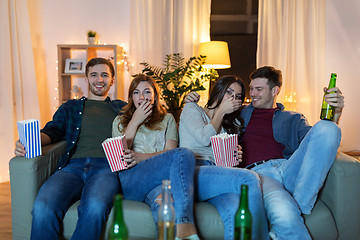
73 51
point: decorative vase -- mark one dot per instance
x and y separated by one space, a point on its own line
91 40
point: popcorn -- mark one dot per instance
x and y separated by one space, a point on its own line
29 135
114 148
224 147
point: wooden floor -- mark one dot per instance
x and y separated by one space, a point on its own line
5 211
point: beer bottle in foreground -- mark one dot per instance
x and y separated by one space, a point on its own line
118 229
327 111
243 218
166 214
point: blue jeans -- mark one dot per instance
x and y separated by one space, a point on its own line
290 186
221 187
178 165
89 180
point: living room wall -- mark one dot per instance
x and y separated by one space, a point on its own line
67 22
343 57
61 22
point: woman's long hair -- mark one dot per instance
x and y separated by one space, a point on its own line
158 112
217 94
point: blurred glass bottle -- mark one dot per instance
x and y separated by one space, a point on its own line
327 111
118 229
166 214
243 218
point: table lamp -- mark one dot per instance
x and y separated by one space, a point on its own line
217 54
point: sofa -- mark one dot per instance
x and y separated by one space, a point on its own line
336 214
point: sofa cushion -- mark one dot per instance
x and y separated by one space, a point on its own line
320 222
140 223
208 221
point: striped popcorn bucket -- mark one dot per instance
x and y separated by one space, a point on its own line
224 147
29 135
114 148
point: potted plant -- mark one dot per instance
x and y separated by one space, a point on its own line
179 77
91 37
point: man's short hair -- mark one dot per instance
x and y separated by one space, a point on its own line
272 74
97 61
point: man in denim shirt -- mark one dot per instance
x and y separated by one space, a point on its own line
82 172
291 157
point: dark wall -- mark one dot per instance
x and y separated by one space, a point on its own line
234 22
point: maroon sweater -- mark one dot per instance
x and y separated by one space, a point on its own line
258 142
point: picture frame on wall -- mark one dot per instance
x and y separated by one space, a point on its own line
75 66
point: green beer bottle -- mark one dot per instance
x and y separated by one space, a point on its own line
327 111
118 229
243 218
166 214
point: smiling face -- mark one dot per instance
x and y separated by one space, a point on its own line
261 94
99 80
143 92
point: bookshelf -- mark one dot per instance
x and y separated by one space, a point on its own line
86 52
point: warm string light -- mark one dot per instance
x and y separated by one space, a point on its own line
290 102
56 98
290 98
125 59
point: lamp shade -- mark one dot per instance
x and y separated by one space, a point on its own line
217 54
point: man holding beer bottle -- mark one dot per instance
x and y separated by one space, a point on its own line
291 157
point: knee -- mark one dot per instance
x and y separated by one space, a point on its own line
253 180
283 213
43 210
95 208
327 129
187 154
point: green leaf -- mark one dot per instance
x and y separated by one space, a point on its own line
178 77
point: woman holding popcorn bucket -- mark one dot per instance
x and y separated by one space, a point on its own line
152 155
215 183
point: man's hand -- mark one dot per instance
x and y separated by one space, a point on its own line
19 149
192 97
335 99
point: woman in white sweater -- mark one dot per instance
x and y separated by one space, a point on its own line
217 185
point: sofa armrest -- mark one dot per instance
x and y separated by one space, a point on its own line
341 193
26 177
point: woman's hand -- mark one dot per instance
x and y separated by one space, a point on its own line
130 158
142 112
238 153
229 105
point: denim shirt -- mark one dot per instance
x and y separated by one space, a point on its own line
289 128
66 125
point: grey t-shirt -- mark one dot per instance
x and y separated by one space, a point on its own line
96 125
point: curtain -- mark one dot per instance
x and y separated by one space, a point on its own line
291 37
160 27
18 92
